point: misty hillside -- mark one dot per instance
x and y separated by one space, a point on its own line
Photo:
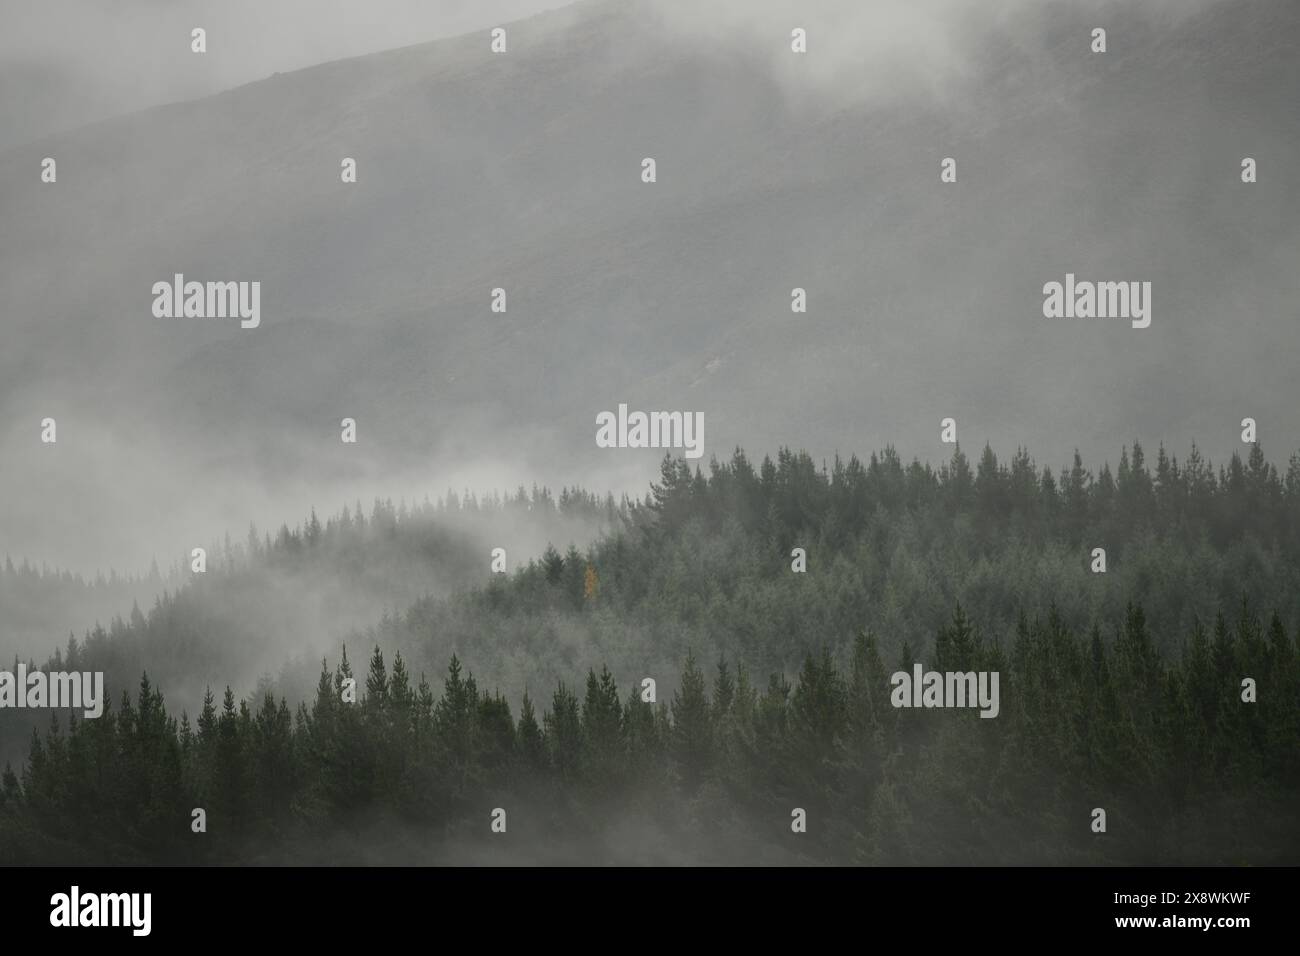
1054 618
523 171
266 604
388 559
42 605
1122 688
705 566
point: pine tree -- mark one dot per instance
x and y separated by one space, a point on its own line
819 706
602 717
376 700
553 565
564 733
641 737
724 691
692 726
496 724
531 744
574 575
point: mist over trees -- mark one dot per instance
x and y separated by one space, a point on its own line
705 561
39 602
1186 772
1121 690
270 599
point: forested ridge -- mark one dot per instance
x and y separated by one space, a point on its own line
705 562
1120 690
267 602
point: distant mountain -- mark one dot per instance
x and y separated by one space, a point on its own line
522 171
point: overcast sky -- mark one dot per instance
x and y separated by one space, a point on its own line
64 63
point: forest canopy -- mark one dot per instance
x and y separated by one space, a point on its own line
1121 690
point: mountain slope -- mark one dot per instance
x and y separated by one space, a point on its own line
522 171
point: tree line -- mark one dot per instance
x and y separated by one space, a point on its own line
1185 768
700 570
